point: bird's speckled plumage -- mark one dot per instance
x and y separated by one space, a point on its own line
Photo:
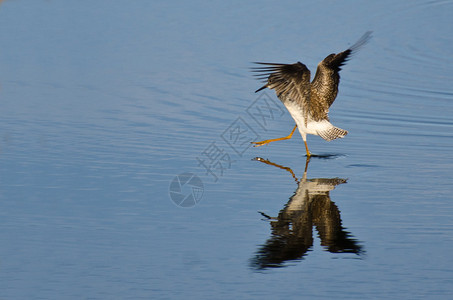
309 102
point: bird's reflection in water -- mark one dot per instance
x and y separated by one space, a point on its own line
292 230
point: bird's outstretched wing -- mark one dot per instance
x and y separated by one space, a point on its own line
290 81
327 77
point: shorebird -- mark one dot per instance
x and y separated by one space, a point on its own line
308 102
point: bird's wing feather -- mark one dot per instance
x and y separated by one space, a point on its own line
290 81
327 77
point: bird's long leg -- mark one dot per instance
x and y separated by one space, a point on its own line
257 144
306 148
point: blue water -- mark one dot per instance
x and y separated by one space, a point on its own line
104 104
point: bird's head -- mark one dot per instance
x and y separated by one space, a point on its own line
271 83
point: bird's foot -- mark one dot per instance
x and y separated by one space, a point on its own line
262 143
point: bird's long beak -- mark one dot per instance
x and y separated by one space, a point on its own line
261 88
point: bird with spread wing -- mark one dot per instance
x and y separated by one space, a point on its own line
308 102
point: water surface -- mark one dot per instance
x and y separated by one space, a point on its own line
103 104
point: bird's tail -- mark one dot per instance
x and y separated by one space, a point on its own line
332 133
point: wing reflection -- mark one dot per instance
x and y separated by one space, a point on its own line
292 230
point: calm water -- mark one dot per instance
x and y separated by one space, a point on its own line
102 104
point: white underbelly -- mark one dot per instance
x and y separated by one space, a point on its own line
305 127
